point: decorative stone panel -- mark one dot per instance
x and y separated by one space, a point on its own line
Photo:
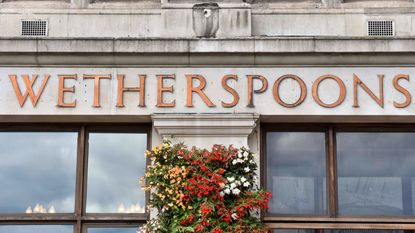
205 130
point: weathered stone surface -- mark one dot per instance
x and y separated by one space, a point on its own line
234 18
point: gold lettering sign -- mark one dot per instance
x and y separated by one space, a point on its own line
31 86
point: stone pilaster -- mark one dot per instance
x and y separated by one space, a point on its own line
205 130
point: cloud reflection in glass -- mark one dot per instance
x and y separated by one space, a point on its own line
114 230
115 163
296 172
35 229
37 167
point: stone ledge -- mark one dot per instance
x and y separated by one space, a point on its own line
251 51
218 45
204 124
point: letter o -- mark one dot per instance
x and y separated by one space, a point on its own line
275 90
339 82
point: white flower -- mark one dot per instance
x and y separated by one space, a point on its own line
247 148
234 216
221 194
247 169
234 161
246 154
236 191
252 161
239 155
227 191
246 184
231 179
233 185
243 179
238 182
222 185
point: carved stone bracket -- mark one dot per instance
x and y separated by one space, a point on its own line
205 130
332 3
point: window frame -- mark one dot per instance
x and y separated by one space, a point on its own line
108 225
332 220
80 219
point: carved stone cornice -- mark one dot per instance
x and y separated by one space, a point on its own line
205 129
204 124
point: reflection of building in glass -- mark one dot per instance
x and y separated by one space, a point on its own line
40 209
137 208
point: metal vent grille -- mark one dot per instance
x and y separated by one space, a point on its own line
380 28
34 28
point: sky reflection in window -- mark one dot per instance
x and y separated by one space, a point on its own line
115 164
35 229
114 230
37 172
296 172
376 173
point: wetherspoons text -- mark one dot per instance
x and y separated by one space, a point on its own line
31 86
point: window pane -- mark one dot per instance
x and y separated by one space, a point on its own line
336 231
293 231
35 229
296 172
37 172
366 231
376 173
114 230
115 164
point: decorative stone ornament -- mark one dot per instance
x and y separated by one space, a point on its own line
205 130
332 3
206 19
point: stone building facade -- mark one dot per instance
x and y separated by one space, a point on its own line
317 88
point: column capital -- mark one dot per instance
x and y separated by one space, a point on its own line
205 129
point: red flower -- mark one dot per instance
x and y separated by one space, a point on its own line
205 208
217 230
199 228
200 201
226 218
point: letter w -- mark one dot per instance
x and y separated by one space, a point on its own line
29 88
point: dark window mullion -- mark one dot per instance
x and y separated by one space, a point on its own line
331 172
80 180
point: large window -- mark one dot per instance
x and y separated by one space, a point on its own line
297 180
72 179
376 173
37 172
334 177
115 160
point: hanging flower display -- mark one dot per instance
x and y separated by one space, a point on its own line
204 191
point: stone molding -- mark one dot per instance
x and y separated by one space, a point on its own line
205 129
168 125
214 45
249 51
